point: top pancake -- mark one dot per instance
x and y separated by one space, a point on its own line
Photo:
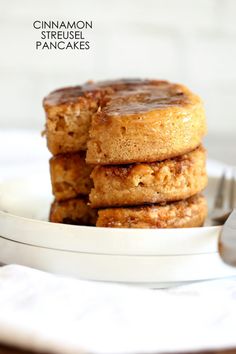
129 120
146 122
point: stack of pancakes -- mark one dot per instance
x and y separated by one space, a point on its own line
144 154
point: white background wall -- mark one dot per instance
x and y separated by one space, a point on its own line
188 41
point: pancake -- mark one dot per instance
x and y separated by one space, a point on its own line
74 211
190 212
136 184
70 176
129 121
147 122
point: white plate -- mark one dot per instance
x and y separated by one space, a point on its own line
125 255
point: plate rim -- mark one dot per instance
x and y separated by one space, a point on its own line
119 241
130 242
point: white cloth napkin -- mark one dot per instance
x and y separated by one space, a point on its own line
51 313
46 312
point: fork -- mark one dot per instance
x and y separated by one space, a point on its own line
221 212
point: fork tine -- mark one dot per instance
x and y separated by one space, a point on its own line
232 191
219 199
